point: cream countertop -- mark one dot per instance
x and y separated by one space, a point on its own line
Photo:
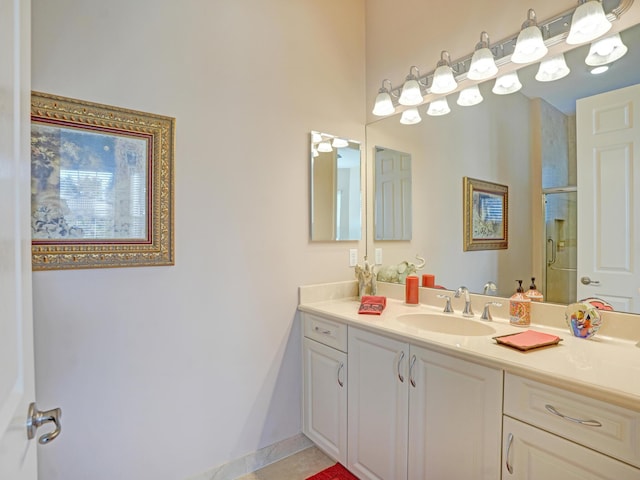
602 367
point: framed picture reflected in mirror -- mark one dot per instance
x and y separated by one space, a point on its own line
486 214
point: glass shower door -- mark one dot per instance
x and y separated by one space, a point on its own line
560 212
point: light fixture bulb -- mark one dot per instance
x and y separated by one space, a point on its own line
384 104
438 107
324 147
588 23
483 65
599 70
506 84
339 143
469 97
411 94
314 152
529 45
443 80
606 50
316 137
410 116
553 68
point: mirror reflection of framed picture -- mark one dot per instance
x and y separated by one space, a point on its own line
101 185
486 213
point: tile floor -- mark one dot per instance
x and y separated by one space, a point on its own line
295 467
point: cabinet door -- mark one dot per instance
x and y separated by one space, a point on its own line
533 454
455 415
378 406
325 398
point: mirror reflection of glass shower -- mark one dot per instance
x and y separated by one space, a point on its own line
560 215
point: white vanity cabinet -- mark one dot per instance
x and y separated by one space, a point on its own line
417 414
325 385
554 434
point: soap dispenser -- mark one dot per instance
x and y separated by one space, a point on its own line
520 308
533 293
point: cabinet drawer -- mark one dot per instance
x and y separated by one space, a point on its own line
607 428
328 332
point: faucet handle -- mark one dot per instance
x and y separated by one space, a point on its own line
486 313
447 306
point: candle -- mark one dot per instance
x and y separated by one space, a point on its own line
428 280
411 291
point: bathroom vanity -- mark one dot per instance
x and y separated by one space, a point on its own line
391 400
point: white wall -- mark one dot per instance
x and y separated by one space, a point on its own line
166 372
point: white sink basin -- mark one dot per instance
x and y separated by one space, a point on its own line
448 324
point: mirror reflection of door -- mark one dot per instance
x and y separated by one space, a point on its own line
608 177
392 195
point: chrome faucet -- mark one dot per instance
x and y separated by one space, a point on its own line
486 313
489 288
468 311
447 306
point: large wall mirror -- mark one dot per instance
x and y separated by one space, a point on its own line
525 140
336 193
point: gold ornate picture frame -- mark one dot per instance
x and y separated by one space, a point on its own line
101 185
486 215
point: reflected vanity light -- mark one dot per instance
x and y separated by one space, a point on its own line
314 152
529 45
506 84
438 107
599 70
443 81
588 23
339 143
384 104
606 50
469 97
324 147
410 116
411 93
483 65
316 137
553 68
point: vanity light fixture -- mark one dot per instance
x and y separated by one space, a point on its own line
483 65
443 81
529 45
384 104
506 84
314 152
438 107
553 68
599 70
410 116
316 137
588 22
411 92
606 50
469 97
339 143
324 147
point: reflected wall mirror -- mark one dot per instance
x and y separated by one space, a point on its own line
336 193
525 140
392 178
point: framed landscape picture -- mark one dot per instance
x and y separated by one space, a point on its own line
485 217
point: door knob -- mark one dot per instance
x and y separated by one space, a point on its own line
588 281
36 418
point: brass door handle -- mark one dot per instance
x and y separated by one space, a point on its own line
36 418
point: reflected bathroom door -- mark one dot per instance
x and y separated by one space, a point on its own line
560 211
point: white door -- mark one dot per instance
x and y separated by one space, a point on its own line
17 453
393 195
608 139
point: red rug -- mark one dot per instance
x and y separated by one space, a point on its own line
336 472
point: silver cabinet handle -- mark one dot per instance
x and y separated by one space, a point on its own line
588 423
588 281
322 331
400 376
413 362
507 463
340 368
36 418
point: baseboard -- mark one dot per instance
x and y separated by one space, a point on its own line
256 460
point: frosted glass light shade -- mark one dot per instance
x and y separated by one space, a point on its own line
411 94
529 46
316 137
410 117
588 23
469 97
384 105
339 143
606 50
324 147
553 68
506 84
438 107
482 66
443 81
